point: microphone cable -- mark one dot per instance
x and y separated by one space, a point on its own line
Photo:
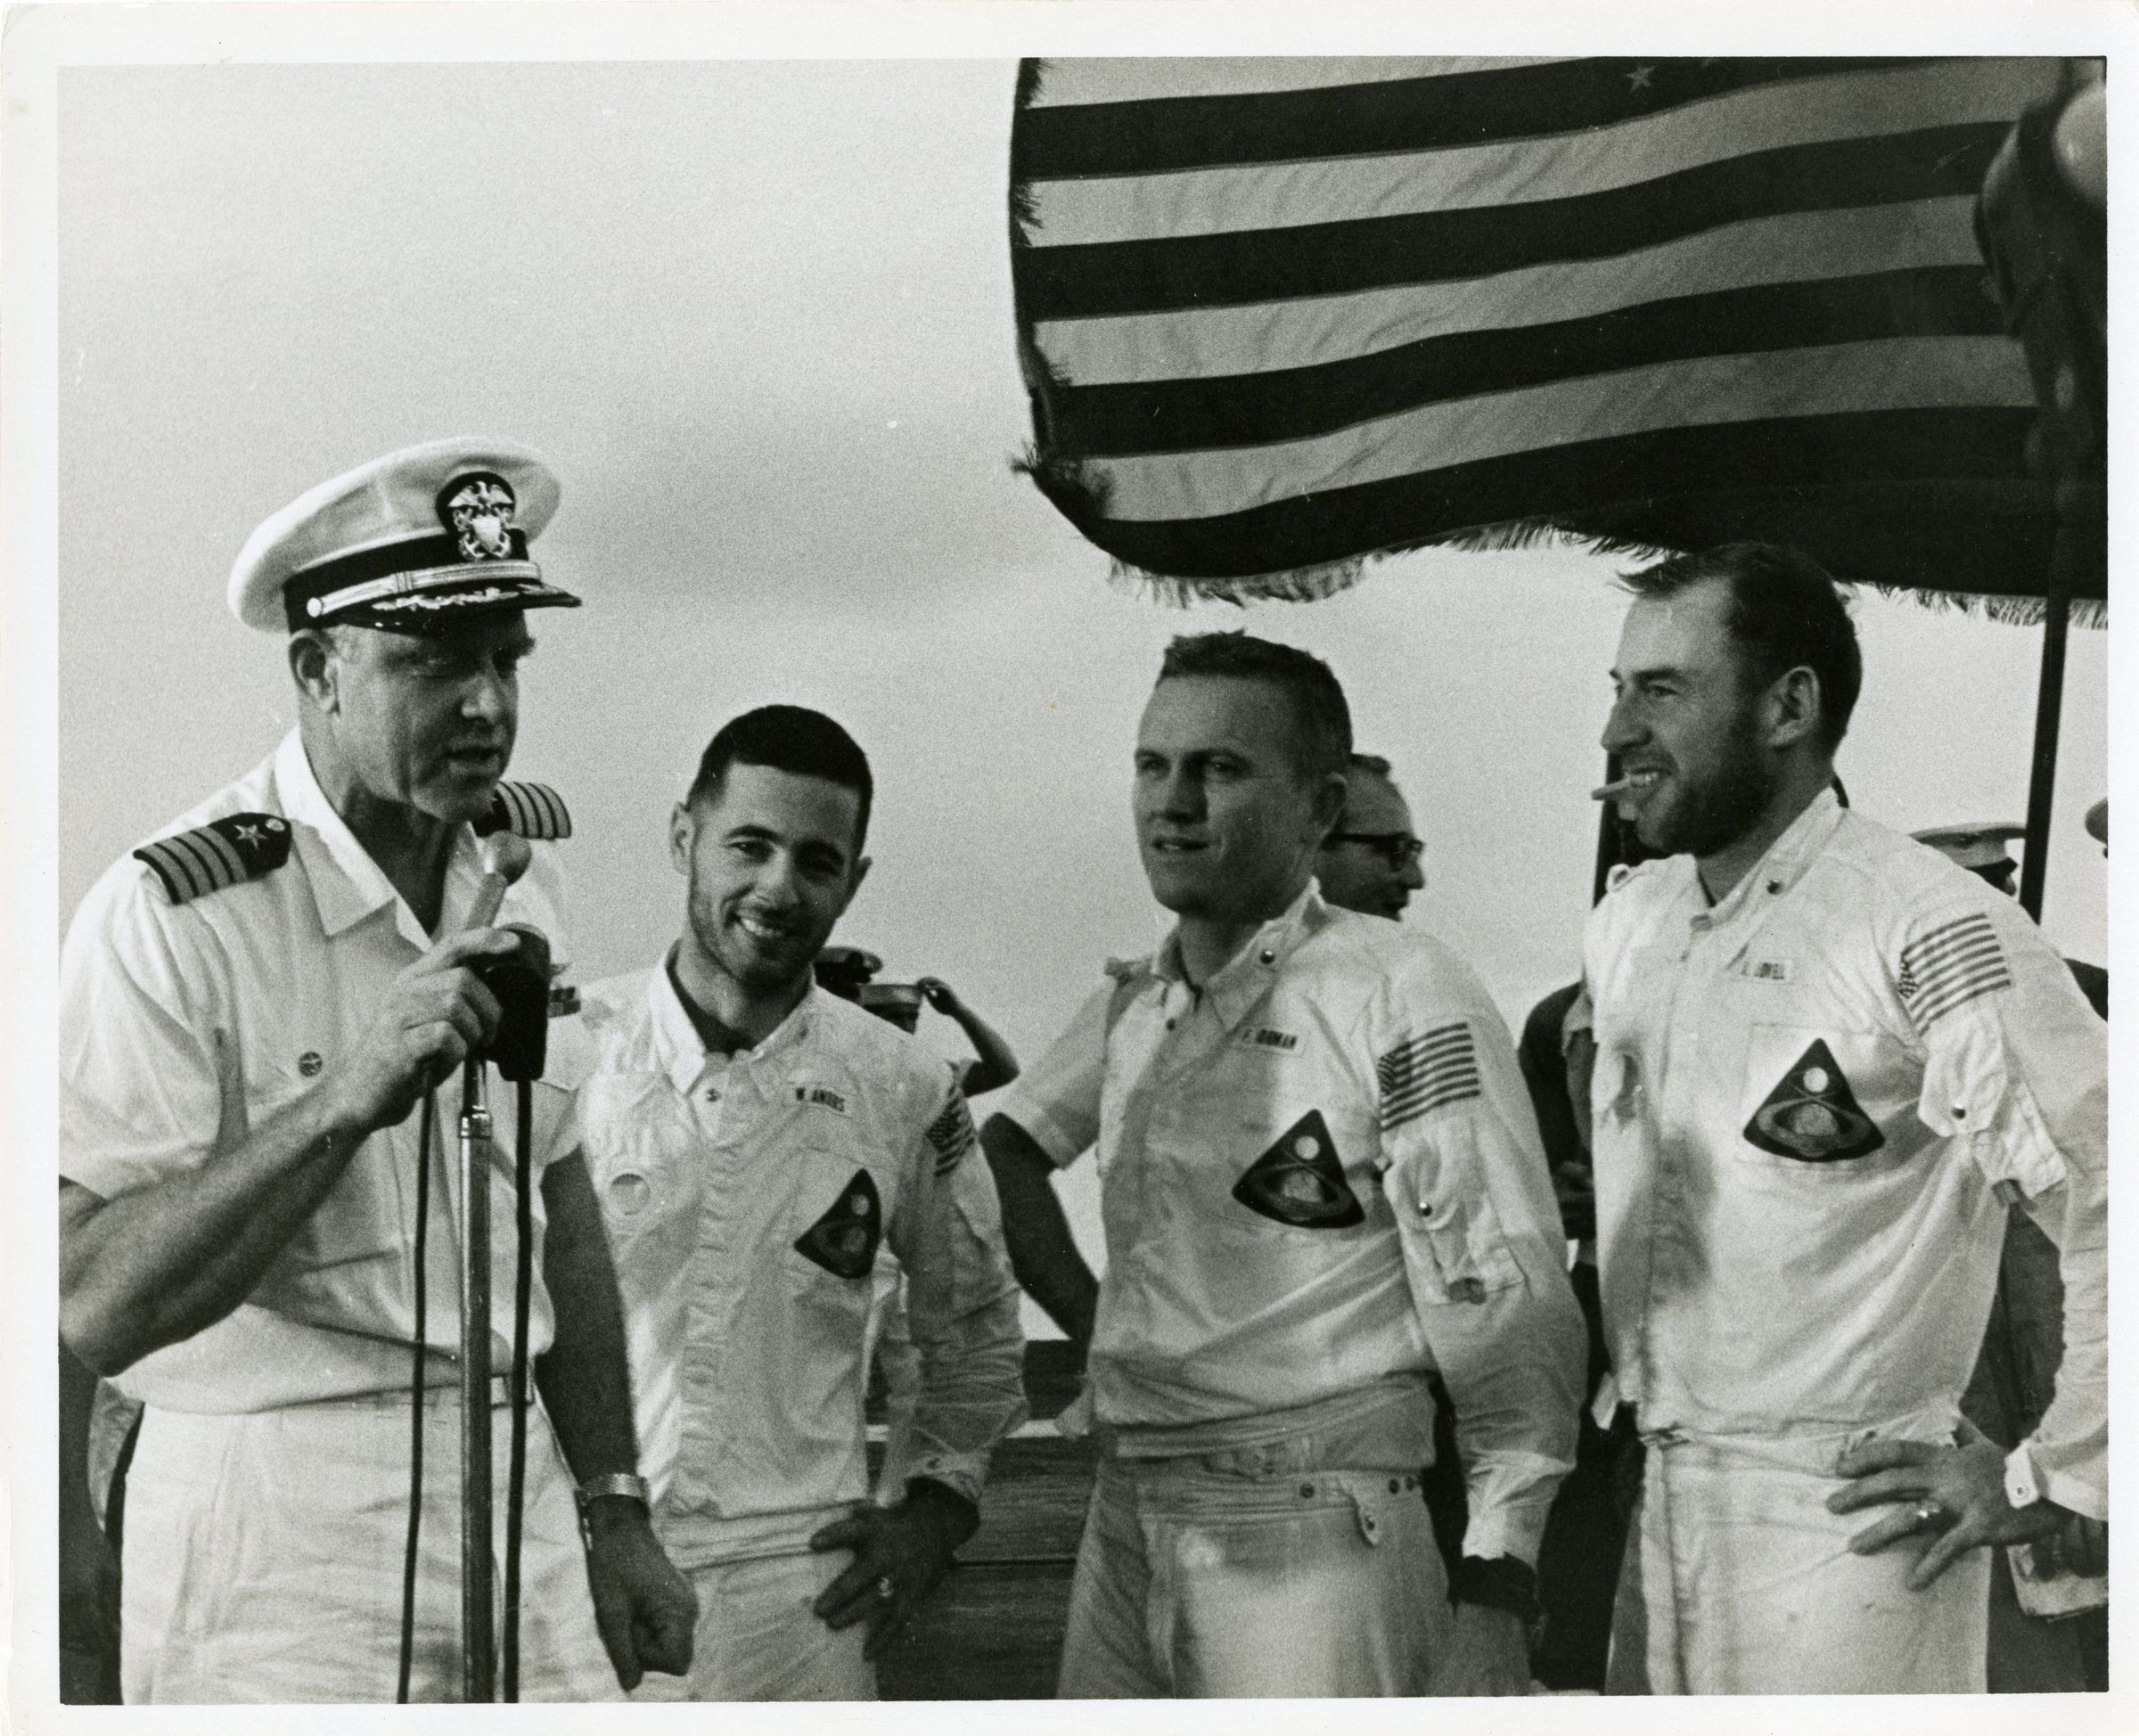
523 1281
417 1370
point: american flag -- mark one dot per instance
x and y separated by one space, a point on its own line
1277 315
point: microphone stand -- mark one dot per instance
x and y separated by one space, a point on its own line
479 1657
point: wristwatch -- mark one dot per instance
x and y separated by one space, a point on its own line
614 1482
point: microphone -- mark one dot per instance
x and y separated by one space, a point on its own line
504 857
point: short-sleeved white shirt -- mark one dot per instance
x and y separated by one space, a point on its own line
1803 1101
184 1026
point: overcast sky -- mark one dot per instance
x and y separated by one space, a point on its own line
757 314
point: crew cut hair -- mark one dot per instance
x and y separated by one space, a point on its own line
1323 721
788 738
1783 610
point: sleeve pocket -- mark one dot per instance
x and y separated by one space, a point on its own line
1458 1244
1971 1091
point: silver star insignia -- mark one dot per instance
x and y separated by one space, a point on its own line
249 834
1638 80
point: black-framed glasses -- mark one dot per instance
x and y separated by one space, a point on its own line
1400 849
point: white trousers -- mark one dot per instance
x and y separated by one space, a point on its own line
1739 1581
1248 1576
264 1559
758 1639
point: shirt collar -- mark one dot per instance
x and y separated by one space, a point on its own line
1786 861
347 885
680 1052
1247 976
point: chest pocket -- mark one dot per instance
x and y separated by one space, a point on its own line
360 1217
1824 1103
836 1219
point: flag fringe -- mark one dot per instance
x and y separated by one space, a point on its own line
1074 493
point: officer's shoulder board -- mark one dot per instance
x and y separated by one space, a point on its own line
526 810
223 853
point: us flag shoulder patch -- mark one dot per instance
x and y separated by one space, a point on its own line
952 1134
1950 966
1427 1072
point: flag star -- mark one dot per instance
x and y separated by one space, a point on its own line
1638 80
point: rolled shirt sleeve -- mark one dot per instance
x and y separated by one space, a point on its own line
1485 1259
2016 1067
962 1305
1056 1099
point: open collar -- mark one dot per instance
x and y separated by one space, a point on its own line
680 1053
1246 977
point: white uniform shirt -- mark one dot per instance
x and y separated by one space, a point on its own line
1321 1172
1804 1098
182 1026
748 1199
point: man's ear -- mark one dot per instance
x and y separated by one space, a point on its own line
1329 796
861 874
682 832
1793 708
312 665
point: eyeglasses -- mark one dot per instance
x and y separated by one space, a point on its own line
1400 849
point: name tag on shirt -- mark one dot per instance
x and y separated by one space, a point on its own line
1771 970
1261 1037
822 1097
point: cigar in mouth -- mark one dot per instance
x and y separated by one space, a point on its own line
1612 791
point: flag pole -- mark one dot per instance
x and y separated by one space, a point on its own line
2049 709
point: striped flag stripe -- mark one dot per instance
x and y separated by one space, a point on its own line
1965 989
1292 404
1919 496
1949 956
1337 258
1127 78
1149 128
1960 927
1433 1045
1460 1063
1824 379
1397 1111
1552 166
1670 303
1927 239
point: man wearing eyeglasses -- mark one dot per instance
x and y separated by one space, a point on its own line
1371 862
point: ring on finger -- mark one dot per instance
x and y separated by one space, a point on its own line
1930 1514
886 1587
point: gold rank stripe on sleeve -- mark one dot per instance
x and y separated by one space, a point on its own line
223 853
1950 966
526 810
1424 1073
952 1134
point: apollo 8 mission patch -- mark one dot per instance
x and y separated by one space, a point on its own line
843 1242
1812 1115
1301 1180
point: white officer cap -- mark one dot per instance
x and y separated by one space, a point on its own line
410 542
1974 847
